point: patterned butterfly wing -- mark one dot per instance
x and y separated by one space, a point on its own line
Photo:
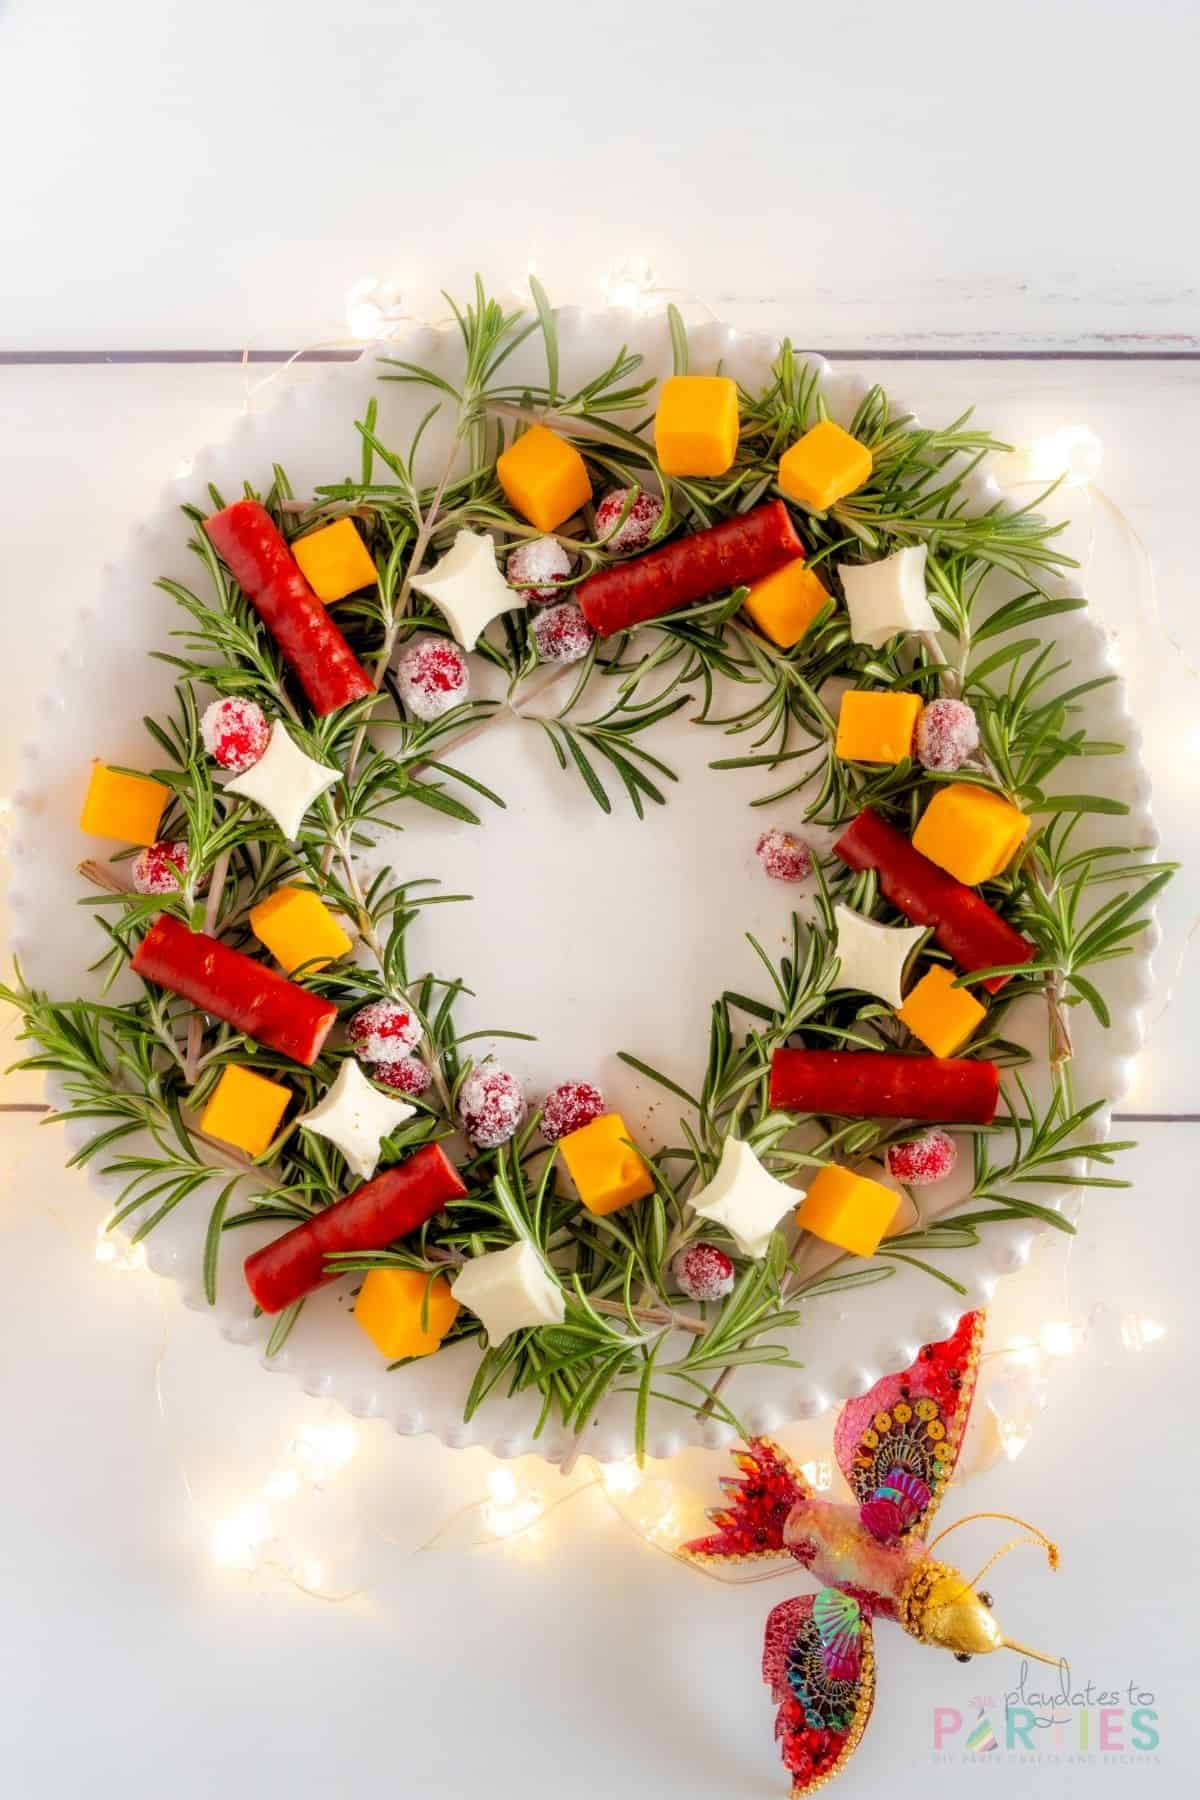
819 1662
898 1445
751 1518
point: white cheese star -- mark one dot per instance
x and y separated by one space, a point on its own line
887 597
284 781
746 1199
872 957
508 1290
468 587
356 1118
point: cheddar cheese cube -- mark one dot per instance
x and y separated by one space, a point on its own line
389 1309
941 1015
824 466
606 1172
696 425
298 928
848 1210
244 1109
784 605
970 831
544 478
876 728
125 807
335 561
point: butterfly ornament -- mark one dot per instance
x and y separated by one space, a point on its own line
897 1447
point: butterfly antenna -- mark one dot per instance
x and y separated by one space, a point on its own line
1035 1537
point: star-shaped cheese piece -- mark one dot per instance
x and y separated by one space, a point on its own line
887 597
872 957
356 1118
284 781
468 587
746 1199
509 1290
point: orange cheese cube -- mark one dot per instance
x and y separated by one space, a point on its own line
607 1173
297 927
544 478
125 807
334 561
824 466
848 1210
941 1015
877 728
970 831
389 1309
696 425
784 605
244 1109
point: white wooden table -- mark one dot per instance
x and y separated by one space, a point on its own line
186 179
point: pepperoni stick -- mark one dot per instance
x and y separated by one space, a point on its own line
269 575
868 1084
372 1217
965 926
272 1010
724 556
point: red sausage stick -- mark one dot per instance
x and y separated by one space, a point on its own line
269 575
965 926
868 1084
729 555
373 1216
266 1006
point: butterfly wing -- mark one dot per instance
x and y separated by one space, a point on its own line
898 1445
819 1662
755 1509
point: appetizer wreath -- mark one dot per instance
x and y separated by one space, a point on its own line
732 543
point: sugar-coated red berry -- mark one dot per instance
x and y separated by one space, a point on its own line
433 675
569 1107
537 567
407 1074
235 733
635 528
383 1030
947 734
490 1105
161 868
923 1160
703 1272
783 856
562 634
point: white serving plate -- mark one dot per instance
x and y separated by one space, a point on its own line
598 934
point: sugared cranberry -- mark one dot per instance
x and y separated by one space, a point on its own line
235 733
947 734
537 567
569 1107
562 634
383 1030
161 868
407 1074
783 856
923 1160
433 675
635 528
703 1272
490 1105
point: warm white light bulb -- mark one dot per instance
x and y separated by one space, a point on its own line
1061 1337
621 1477
1071 454
630 284
238 1541
322 1451
818 1473
375 308
502 1486
1137 1333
